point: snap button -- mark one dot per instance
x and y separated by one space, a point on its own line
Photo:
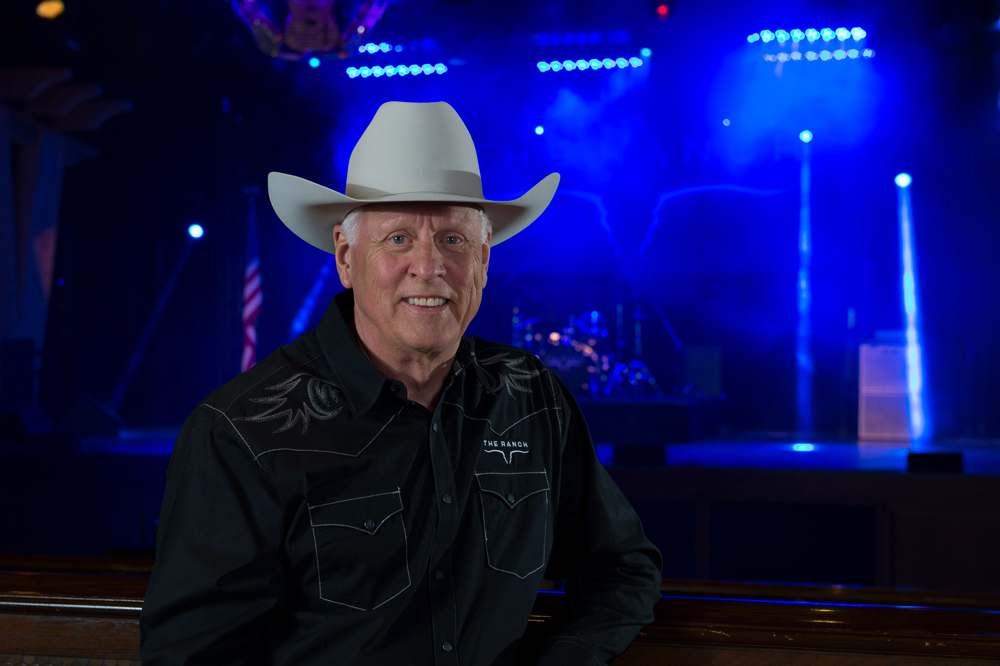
369 523
446 646
510 497
446 499
439 575
435 426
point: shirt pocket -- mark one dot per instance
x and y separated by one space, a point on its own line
515 520
361 550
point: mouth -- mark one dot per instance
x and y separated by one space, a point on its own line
429 302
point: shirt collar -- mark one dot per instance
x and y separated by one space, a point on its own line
354 373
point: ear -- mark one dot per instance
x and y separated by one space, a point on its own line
342 254
486 254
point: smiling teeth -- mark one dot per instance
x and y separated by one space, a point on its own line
427 302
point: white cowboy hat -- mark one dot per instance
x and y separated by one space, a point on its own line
410 152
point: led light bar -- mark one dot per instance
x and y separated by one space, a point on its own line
396 70
594 63
811 35
382 47
811 56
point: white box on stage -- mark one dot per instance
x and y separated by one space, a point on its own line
883 412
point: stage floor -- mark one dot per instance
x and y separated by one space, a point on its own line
979 456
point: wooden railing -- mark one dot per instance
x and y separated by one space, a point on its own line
53 610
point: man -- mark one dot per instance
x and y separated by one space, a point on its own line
385 490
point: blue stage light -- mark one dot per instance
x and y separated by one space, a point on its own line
812 34
826 34
595 63
858 34
645 53
753 38
384 48
556 66
403 70
811 55
622 63
766 36
582 64
539 130
543 66
798 35
608 63
353 72
196 231
840 54
796 55
398 48
725 121
843 34
805 136
852 53
569 65
781 36
782 57
371 48
415 69
365 72
803 447
361 49
825 55
635 62
440 68
390 71
868 53
428 69
314 62
377 71
903 180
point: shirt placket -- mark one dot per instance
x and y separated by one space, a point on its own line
444 612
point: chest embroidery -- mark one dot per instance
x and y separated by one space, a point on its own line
506 448
321 398
515 377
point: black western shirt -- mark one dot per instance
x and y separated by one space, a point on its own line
315 515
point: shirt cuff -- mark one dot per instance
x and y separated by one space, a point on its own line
568 651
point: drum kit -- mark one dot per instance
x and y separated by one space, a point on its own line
581 353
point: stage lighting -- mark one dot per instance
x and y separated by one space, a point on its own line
903 180
781 36
635 62
843 34
826 34
440 68
825 55
539 130
622 63
662 11
811 55
753 38
377 71
196 231
868 53
645 53
839 54
766 35
812 34
555 66
798 35
796 55
543 66
806 136
725 121
384 48
398 48
858 34
314 62
803 447
569 65
50 9
608 63
595 63
353 72
852 53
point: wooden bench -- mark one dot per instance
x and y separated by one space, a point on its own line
86 613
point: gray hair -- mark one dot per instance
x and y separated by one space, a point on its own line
350 224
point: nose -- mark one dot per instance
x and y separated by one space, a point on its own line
428 261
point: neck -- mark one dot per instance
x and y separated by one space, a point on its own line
423 374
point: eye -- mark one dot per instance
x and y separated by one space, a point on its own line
453 240
398 239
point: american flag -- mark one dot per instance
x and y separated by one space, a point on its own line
253 296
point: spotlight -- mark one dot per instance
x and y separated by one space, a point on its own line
803 447
556 66
781 36
314 62
839 54
825 55
440 68
353 72
196 231
811 55
50 9
384 48
852 53
608 63
858 34
398 48
662 11
569 65
826 34
843 34
903 180
622 63
635 62
753 38
543 67
725 121
645 53
582 64
798 35
377 71
812 34
595 63
868 53
428 69
806 136
766 36
539 130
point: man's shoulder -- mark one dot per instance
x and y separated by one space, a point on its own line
282 369
487 352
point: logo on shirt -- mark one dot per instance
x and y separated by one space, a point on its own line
506 448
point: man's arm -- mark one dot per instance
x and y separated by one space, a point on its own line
613 570
218 545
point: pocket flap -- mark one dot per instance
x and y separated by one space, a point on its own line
512 487
365 514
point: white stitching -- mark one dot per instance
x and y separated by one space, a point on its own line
476 418
545 533
506 454
493 492
338 453
205 404
354 499
406 552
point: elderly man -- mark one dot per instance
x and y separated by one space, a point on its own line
386 490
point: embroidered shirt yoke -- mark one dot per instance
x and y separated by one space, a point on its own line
315 515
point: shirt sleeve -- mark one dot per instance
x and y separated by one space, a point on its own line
218 569
613 570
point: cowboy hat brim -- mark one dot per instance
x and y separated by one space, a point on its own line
311 211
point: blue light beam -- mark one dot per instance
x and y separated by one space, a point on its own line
914 363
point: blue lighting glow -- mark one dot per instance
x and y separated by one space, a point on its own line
796 35
914 364
382 47
812 34
396 70
539 130
645 53
571 65
314 62
196 231
827 34
805 136
858 34
803 447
